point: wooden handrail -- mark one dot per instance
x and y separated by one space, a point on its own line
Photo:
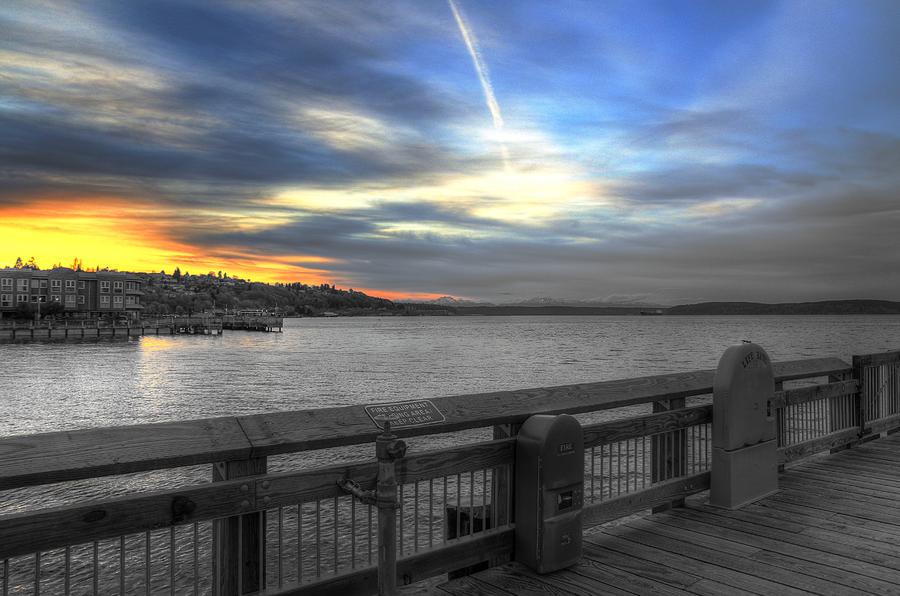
28 460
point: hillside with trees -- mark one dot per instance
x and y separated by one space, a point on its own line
183 293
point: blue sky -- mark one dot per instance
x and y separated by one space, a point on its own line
664 152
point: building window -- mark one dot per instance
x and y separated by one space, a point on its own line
22 298
43 283
22 284
104 286
54 297
5 299
55 284
117 286
6 283
70 285
35 283
70 299
80 284
81 299
34 298
117 300
104 301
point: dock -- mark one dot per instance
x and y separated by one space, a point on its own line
423 517
75 329
833 528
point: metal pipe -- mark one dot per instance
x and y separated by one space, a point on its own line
388 448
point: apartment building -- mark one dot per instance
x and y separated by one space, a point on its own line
83 294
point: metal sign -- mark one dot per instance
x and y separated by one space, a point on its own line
406 413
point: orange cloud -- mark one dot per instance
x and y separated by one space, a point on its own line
134 236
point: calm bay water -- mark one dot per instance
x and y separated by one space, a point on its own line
342 361
327 362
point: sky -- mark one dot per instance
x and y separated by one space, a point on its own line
618 151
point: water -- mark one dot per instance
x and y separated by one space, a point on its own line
327 362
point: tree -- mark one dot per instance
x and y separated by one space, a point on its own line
18 264
76 264
177 274
52 309
31 264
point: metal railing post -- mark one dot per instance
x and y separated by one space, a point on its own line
388 448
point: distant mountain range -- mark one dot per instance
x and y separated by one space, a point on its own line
827 307
542 301
548 306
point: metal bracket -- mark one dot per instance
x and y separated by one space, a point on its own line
350 487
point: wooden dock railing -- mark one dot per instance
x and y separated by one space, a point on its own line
303 532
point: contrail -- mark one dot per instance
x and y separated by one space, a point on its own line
483 75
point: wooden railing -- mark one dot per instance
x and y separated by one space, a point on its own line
300 532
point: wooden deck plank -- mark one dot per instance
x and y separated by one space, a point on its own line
864 561
827 519
709 572
607 574
855 485
809 575
570 582
852 584
832 529
780 581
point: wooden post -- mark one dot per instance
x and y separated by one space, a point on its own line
239 541
502 481
862 397
669 457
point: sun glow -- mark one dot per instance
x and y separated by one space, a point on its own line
132 236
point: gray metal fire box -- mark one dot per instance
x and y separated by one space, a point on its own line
549 492
744 457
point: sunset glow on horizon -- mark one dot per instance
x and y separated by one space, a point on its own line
657 152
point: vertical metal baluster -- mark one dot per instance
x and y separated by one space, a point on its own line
96 568
6 577
336 522
122 565
430 512
280 546
444 501
509 491
458 502
172 560
400 519
147 561
619 468
299 542
318 538
196 559
593 470
484 498
37 573
67 566
353 533
370 533
416 518
644 461
471 502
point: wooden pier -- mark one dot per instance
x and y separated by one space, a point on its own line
368 525
21 331
833 528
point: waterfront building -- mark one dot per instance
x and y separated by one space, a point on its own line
83 294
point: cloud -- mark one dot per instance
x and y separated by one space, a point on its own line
710 152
